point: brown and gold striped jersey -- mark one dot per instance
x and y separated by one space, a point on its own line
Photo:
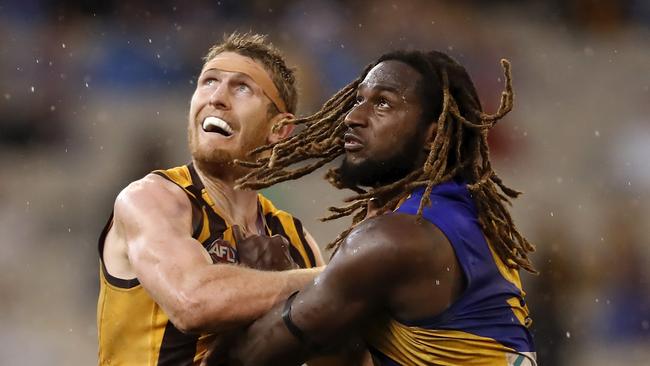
133 329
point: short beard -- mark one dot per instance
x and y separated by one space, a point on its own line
376 173
219 163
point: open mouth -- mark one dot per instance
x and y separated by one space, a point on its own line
217 125
352 142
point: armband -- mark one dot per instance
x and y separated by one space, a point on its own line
293 328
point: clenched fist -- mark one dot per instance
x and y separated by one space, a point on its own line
268 253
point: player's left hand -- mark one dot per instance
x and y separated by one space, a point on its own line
269 253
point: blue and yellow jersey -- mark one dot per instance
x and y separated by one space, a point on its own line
133 329
488 323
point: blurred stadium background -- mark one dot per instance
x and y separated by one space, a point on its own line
95 96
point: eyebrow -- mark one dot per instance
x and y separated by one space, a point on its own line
382 87
237 74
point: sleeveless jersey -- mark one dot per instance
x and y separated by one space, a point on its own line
133 329
488 323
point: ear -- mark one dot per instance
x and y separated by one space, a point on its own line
283 132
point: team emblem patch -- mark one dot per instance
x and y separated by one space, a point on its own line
221 252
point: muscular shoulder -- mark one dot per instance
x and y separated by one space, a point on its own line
395 240
151 195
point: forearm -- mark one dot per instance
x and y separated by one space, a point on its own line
227 296
322 321
268 342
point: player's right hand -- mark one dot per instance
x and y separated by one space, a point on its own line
268 253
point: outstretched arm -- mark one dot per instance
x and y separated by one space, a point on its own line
153 218
357 283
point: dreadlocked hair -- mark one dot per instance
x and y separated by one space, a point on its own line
459 151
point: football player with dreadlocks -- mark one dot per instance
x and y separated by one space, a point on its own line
428 273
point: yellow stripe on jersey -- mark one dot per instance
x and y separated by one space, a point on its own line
419 346
512 275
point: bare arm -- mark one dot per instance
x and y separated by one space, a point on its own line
153 217
375 260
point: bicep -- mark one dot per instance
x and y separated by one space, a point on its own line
155 223
346 294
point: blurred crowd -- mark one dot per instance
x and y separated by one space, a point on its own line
93 96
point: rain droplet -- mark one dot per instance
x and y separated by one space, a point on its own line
62 45
32 89
597 133
437 282
551 213
568 334
86 85
69 230
7 96
52 108
149 40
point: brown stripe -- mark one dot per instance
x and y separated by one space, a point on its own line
303 240
177 348
117 282
216 222
277 228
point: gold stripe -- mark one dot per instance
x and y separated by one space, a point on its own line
418 346
286 221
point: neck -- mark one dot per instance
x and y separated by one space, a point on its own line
238 206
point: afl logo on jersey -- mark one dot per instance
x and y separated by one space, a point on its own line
220 251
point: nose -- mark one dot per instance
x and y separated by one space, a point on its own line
220 97
357 117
